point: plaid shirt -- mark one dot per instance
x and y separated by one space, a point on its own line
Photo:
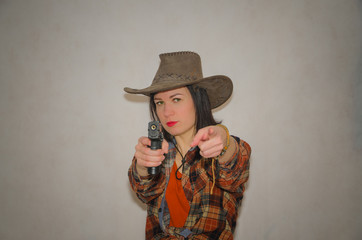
211 216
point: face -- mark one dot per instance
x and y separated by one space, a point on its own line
176 111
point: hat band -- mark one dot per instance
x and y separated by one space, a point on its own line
174 76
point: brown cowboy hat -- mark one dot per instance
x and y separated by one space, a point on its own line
179 69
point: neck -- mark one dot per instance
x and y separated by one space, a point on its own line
184 141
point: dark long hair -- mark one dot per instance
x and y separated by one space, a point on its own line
202 105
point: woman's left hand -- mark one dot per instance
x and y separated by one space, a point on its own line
211 140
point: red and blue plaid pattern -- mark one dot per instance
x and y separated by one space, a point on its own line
211 216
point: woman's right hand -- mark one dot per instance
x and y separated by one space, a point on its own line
146 157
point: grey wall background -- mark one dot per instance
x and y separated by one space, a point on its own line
68 131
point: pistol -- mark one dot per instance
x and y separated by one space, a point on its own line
156 137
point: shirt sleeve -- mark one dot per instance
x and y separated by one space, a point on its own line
233 174
146 188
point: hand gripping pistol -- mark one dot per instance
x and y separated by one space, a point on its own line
156 137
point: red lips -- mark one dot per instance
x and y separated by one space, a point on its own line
171 123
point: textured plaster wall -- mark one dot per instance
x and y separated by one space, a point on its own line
67 130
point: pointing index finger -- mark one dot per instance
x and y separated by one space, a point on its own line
202 135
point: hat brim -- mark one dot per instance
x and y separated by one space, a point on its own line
219 88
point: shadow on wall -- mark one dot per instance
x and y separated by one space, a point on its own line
358 108
136 98
358 99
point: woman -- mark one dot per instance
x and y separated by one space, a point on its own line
197 193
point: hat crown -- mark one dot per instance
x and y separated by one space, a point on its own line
184 66
180 69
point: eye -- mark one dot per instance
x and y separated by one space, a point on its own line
159 103
176 100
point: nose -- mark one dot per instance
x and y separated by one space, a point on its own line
168 110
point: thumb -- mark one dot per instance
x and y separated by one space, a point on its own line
165 146
211 132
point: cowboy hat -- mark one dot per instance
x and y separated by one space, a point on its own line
180 69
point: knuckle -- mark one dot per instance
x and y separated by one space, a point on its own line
138 156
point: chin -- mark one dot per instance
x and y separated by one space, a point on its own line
172 131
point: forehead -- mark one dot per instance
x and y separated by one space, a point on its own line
173 92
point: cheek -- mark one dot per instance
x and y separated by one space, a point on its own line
161 117
159 114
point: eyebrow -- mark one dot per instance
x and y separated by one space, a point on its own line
172 96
